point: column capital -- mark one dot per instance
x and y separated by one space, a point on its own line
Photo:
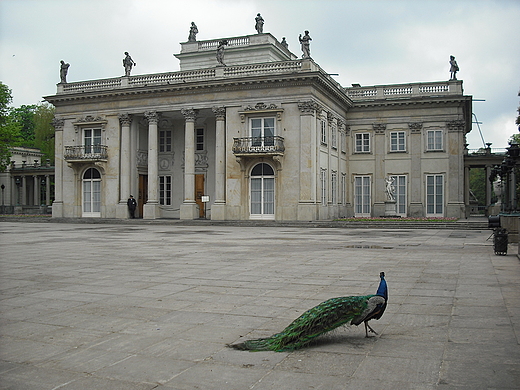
309 107
220 113
379 128
152 116
58 123
415 127
190 114
125 119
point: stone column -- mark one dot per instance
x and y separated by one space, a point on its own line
124 171
307 208
378 148
47 190
188 209
57 205
218 207
417 207
36 190
151 208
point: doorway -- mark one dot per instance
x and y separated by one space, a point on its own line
143 194
199 192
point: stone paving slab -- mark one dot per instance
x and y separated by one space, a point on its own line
152 306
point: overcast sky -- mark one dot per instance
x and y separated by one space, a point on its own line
368 42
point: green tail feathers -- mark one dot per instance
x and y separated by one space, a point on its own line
320 319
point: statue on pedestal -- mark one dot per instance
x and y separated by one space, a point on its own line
259 26
64 69
193 32
128 62
306 44
390 189
454 68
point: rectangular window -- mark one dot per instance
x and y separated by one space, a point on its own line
262 131
323 125
199 139
400 194
343 141
434 141
435 195
343 188
333 186
323 182
333 136
165 141
362 196
362 142
92 140
165 190
397 141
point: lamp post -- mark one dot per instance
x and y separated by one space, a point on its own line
3 206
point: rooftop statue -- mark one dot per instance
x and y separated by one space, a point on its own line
454 68
220 51
259 26
128 62
193 32
64 69
284 43
306 45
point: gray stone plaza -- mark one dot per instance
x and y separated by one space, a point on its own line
152 306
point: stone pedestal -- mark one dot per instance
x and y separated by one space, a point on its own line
122 211
218 212
189 210
390 208
151 211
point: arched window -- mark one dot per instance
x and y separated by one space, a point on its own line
262 192
91 193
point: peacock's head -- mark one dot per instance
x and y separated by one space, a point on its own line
381 275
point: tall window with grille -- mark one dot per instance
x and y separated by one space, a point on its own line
362 196
199 139
323 132
165 141
435 195
165 190
398 141
400 194
334 187
362 142
323 184
343 188
333 137
434 140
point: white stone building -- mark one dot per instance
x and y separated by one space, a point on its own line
265 136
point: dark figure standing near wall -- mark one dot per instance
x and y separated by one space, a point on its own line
132 205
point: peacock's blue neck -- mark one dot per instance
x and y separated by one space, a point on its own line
382 289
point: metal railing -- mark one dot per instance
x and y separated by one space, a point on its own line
86 152
258 145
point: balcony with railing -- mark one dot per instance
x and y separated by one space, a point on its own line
400 91
86 153
258 146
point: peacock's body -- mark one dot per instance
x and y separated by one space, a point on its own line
323 318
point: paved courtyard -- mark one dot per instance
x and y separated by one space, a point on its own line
152 306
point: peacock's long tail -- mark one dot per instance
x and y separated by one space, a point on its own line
314 322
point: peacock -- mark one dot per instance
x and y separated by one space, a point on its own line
323 318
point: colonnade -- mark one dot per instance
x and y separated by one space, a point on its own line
188 209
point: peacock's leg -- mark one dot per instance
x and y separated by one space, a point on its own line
369 327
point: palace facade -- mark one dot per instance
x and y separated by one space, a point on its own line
265 136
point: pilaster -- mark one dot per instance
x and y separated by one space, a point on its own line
218 209
188 209
151 208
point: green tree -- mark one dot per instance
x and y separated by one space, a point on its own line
9 129
43 130
477 185
24 117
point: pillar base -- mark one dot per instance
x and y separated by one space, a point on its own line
218 211
122 211
189 211
306 212
150 211
57 209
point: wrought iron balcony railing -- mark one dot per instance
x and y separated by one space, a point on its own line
271 145
86 153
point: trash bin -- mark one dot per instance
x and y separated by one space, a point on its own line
500 241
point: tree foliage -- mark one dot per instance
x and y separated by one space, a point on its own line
27 126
